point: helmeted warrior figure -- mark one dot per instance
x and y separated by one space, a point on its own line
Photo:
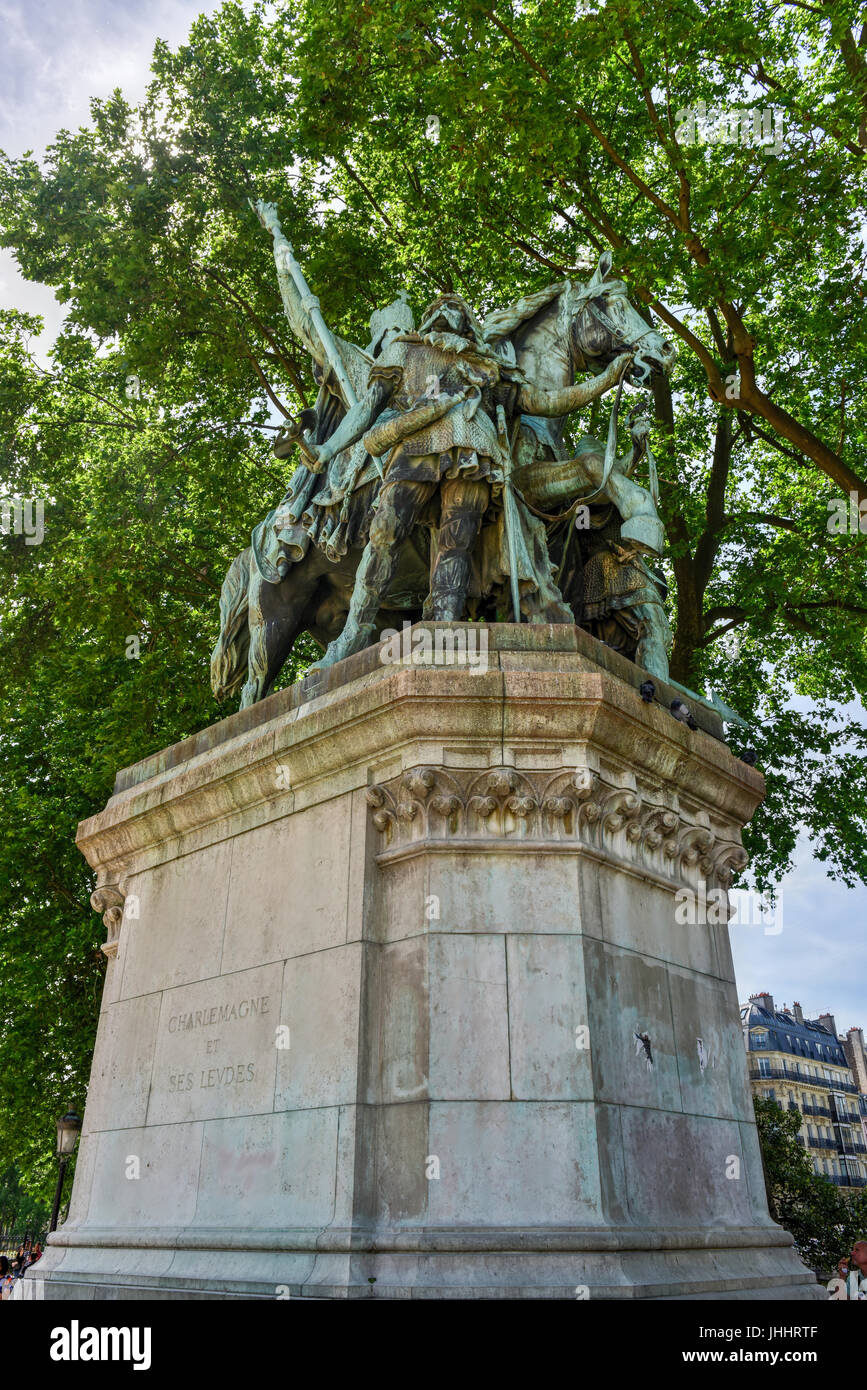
616 593
610 532
604 548
322 517
330 509
439 407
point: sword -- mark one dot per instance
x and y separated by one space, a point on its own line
510 511
284 257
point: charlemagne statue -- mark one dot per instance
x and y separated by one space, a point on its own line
422 469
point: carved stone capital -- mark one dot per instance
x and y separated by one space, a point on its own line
109 900
651 830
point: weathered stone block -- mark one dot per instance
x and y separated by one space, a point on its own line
318 1063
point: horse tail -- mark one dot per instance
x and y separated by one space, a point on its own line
229 657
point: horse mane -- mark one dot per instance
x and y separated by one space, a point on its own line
503 322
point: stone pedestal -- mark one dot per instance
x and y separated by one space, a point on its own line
398 1005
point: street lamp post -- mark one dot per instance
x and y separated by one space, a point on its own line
68 1130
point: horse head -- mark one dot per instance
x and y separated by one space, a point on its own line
601 322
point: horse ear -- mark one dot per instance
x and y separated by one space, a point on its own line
603 269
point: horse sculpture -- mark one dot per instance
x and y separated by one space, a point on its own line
298 573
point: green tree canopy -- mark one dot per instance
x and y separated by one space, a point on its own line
824 1223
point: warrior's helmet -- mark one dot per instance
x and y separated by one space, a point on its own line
454 315
397 316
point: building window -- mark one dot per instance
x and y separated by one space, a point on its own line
764 1067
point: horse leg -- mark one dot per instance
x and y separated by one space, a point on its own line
400 503
276 616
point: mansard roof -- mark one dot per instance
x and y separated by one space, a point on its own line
786 1034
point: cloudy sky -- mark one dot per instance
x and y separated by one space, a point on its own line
57 54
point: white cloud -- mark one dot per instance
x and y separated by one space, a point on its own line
31 298
820 956
53 60
57 56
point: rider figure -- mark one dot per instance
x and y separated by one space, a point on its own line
436 403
